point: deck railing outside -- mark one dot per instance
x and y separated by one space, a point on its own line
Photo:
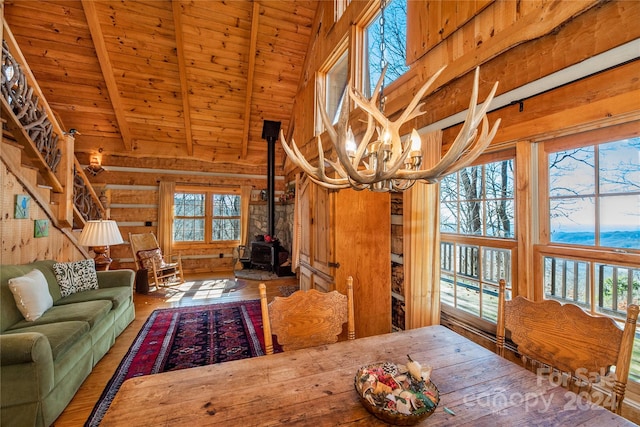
470 275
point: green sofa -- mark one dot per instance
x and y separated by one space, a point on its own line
44 362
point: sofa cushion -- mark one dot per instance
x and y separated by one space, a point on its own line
31 294
88 311
61 335
118 296
76 276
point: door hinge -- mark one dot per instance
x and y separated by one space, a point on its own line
334 264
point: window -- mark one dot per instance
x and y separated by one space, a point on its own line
477 247
594 195
395 46
226 217
594 202
336 83
478 200
206 217
189 219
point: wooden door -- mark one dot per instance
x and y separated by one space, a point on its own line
362 230
304 199
322 257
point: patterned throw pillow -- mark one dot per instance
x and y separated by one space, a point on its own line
147 256
76 276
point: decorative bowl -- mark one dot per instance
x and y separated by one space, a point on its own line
388 391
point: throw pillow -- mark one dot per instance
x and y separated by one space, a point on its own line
31 293
147 256
76 276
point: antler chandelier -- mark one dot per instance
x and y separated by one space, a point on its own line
387 163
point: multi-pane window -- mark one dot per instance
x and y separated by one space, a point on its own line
478 200
189 217
206 217
477 225
226 217
594 195
594 201
390 50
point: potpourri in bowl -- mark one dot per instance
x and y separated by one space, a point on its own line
395 393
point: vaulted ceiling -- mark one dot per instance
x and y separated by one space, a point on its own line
167 78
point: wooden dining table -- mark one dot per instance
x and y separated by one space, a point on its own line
315 387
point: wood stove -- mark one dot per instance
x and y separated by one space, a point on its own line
269 256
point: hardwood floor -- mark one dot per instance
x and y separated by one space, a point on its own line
85 399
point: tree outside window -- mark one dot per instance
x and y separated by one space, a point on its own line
594 195
226 217
189 217
594 201
477 212
395 46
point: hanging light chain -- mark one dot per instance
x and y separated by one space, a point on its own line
383 47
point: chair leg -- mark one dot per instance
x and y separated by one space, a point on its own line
180 274
155 275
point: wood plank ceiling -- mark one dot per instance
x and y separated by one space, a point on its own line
167 78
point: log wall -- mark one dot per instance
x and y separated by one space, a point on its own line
132 194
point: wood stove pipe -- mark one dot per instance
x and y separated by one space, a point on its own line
270 132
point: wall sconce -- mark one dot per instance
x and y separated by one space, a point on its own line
94 167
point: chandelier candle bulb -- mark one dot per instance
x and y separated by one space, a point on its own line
351 144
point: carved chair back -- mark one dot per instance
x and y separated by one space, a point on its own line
307 318
575 347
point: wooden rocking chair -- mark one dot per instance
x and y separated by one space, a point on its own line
570 345
307 318
147 254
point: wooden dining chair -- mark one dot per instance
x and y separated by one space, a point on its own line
307 318
147 254
565 341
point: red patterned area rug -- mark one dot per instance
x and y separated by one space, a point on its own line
186 337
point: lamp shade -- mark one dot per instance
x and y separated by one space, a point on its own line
100 233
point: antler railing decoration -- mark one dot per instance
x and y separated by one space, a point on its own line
387 163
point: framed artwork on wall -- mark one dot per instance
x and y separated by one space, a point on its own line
22 206
41 228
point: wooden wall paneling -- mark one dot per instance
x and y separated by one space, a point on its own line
128 196
595 101
19 245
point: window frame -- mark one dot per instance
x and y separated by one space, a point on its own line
545 247
209 193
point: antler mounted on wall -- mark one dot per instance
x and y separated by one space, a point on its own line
387 163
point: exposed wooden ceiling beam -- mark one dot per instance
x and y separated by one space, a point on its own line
107 69
252 62
186 108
